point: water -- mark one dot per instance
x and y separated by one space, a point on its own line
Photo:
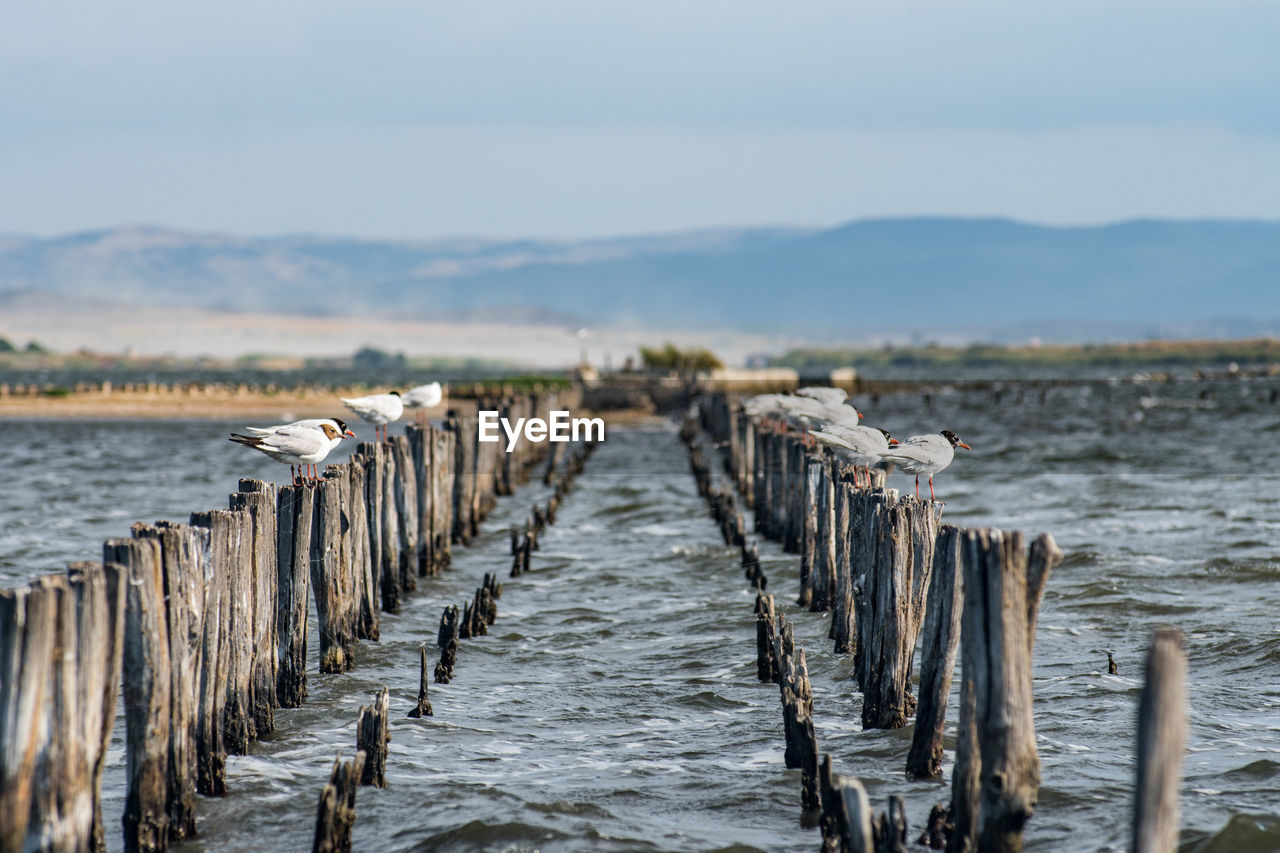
614 706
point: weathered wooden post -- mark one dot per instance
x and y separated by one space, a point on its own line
295 512
368 587
229 557
938 655
147 694
337 810
442 486
811 594
258 499
182 571
394 560
372 736
1162 736
1002 592
464 475
797 717
100 601
28 635
331 580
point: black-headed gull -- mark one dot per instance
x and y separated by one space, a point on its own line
925 454
861 445
377 409
294 445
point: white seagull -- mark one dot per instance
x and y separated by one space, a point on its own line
925 454
861 445
309 423
377 409
423 397
295 446
801 413
824 394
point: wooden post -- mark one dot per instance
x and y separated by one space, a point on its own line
100 607
1162 736
228 558
464 477
211 698
28 637
797 717
331 580
258 499
404 503
423 708
938 655
442 480
370 458
853 815
372 736
296 510
364 572
393 573
182 571
842 631
1002 597
147 696
811 593
337 811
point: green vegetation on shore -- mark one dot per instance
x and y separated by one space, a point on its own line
1120 355
671 357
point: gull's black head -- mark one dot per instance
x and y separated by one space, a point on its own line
954 439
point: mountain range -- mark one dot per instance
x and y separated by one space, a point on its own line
994 277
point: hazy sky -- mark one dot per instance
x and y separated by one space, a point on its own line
528 118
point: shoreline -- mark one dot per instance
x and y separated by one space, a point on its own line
216 405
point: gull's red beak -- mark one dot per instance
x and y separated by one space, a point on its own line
893 442
861 416
349 434
965 446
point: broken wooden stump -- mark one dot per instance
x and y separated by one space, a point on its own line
337 810
372 736
423 706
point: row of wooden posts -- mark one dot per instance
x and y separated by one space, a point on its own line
204 626
336 813
893 578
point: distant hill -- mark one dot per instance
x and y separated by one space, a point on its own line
1133 278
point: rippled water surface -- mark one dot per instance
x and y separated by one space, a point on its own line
614 705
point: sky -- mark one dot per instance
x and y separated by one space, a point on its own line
522 118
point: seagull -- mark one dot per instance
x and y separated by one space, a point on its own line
423 397
823 394
309 423
861 445
925 454
295 446
377 409
801 412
